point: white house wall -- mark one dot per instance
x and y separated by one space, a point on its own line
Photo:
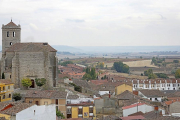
44 112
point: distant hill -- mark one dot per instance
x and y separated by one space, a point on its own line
64 48
123 49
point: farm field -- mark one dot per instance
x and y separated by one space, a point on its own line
139 63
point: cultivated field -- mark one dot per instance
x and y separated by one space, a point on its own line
141 63
138 63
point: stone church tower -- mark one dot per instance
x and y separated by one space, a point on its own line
11 34
27 60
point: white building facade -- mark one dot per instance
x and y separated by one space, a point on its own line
169 84
43 112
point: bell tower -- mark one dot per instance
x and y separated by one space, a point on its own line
11 34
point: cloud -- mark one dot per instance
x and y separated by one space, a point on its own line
95 22
75 20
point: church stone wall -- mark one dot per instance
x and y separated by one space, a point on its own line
31 64
8 59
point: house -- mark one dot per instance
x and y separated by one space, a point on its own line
43 112
160 84
27 111
106 106
6 89
173 107
137 117
80 108
9 110
153 95
47 97
139 106
123 87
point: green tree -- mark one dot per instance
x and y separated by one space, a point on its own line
78 88
59 114
161 75
90 74
17 96
148 72
120 67
177 73
152 76
175 61
26 82
40 81
3 76
66 62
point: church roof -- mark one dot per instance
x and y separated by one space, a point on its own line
31 47
11 24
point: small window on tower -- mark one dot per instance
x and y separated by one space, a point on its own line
10 43
7 33
14 34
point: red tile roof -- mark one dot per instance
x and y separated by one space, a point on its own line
133 105
138 117
5 81
30 47
51 94
99 82
10 24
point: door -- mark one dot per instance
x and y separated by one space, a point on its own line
32 86
37 102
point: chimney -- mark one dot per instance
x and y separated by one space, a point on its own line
156 108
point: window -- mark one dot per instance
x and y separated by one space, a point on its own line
37 102
10 76
3 96
90 109
45 103
80 111
30 101
69 111
178 85
56 101
150 98
8 87
9 95
10 43
173 88
7 33
14 34
156 99
174 85
3 88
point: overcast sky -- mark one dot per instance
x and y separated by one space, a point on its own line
95 22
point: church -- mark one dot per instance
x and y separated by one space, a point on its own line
26 60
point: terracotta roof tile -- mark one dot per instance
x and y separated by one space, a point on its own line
11 108
137 113
72 97
133 117
111 117
152 93
30 47
46 94
151 114
5 81
10 24
165 118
